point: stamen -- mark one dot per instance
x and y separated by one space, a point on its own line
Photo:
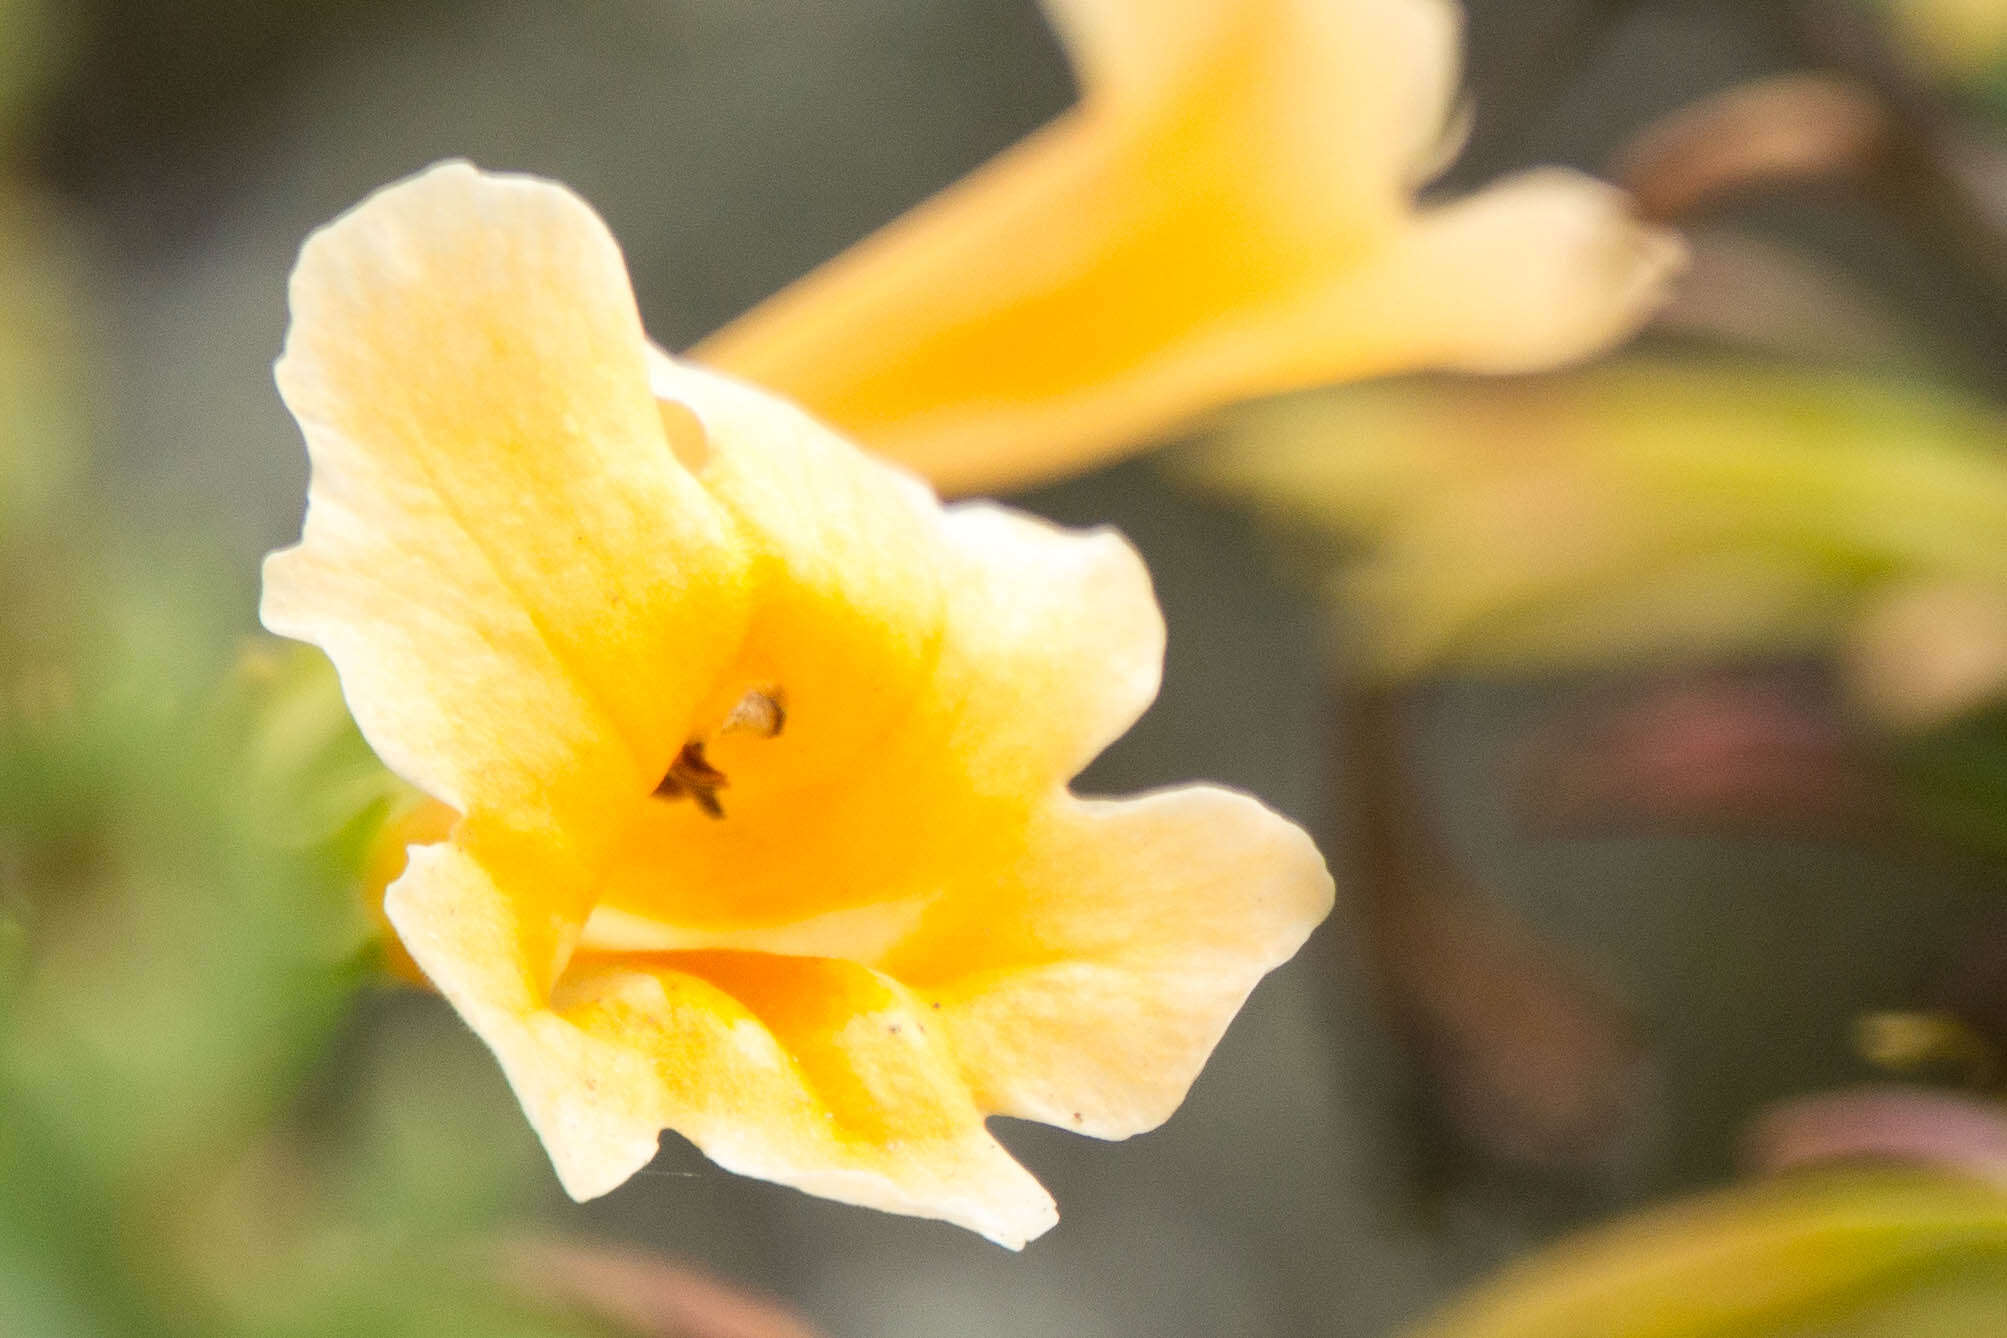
760 713
693 775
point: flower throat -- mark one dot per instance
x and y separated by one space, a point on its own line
759 713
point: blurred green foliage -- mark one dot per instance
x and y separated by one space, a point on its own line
1838 1254
1640 509
183 819
42 394
1657 512
1958 45
34 46
1957 778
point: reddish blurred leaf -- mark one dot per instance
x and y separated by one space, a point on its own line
1759 752
1962 1134
1785 130
645 1295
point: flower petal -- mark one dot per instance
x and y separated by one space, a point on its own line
1538 270
940 675
1130 49
1399 59
523 589
809 1072
1086 986
1054 647
542 583
994 330
1104 280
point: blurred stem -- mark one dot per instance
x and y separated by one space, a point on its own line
1523 1055
1928 179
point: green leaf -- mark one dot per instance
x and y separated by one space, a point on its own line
1661 509
1845 1252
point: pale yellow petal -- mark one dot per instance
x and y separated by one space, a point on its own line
809 1072
1394 63
524 591
1085 984
1539 270
1054 646
1133 49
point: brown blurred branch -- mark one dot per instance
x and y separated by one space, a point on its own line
1526 1055
1780 132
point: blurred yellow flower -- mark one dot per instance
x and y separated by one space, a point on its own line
1227 213
761 755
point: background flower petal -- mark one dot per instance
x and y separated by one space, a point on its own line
1541 269
1091 288
1397 102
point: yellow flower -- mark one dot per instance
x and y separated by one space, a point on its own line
1227 213
760 755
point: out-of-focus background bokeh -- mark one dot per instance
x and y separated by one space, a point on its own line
1654 758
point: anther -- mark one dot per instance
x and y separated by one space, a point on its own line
759 713
692 774
763 714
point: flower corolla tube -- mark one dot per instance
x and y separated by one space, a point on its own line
1228 212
